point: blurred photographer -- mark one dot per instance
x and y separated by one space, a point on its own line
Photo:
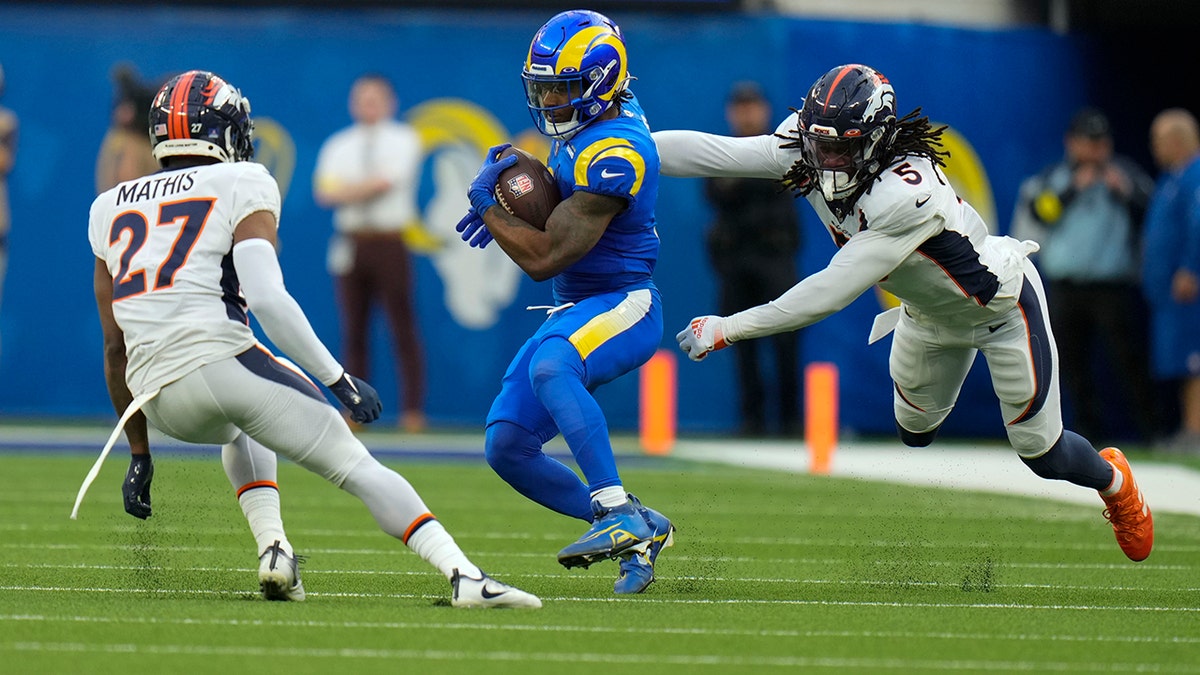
125 150
1086 212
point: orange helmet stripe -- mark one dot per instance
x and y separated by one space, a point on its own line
833 86
177 126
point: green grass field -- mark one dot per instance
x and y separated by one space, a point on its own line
771 572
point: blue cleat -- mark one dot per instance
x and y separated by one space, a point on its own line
637 567
614 531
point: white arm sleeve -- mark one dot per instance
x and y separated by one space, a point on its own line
688 154
277 311
866 259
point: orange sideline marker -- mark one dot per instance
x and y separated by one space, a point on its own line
658 390
820 415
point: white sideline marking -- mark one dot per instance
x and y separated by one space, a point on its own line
1122 566
574 657
619 630
589 578
987 467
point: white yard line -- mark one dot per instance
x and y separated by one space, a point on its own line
659 658
647 629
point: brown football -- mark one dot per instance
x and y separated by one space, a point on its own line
526 189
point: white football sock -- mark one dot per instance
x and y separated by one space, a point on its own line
434 544
401 513
1117 482
261 506
252 470
610 496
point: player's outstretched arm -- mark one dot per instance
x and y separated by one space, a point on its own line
695 154
283 321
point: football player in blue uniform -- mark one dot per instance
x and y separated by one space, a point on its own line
599 247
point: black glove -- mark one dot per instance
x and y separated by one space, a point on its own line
136 487
360 398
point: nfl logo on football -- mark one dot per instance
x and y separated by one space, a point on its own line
519 185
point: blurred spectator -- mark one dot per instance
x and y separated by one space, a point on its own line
8 150
368 174
752 245
1171 268
125 150
1086 212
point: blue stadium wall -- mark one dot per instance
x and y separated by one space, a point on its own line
1003 92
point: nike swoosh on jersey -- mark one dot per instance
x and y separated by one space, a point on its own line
604 173
921 202
993 329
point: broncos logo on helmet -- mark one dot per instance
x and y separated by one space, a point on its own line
575 71
200 114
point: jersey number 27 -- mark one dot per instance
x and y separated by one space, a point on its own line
190 215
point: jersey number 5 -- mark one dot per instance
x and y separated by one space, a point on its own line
190 215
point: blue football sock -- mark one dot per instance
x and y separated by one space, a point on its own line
1073 459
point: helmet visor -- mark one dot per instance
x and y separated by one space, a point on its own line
555 97
832 153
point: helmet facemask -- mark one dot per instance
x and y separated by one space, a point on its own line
842 163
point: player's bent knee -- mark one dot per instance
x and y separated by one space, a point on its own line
506 445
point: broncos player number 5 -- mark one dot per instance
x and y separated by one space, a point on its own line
908 173
189 214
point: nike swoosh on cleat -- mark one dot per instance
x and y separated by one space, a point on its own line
487 595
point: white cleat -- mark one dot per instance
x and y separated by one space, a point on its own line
487 592
279 575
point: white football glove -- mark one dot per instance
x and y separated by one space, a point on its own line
705 334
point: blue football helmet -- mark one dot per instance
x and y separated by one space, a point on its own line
576 70
199 114
847 127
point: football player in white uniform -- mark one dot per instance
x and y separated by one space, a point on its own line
180 256
874 180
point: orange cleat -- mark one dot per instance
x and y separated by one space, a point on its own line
1127 511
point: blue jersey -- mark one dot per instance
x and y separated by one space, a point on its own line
612 157
1171 232
1171 241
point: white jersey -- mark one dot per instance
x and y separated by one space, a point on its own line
167 240
910 234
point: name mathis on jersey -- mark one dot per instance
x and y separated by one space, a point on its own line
154 188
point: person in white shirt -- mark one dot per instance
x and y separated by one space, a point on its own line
875 181
181 255
368 173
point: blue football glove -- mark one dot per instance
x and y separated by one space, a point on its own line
136 488
360 398
473 230
482 190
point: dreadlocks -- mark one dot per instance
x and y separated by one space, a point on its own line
915 136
